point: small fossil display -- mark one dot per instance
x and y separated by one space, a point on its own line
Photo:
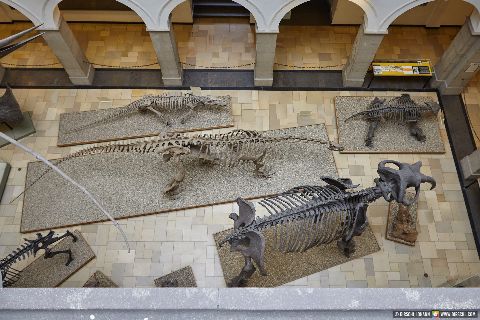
399 109
162 105
10 275
307 216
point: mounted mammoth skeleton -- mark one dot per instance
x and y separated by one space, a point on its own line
308 216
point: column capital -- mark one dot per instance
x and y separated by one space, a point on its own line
55 24
372 31
272 31
474 23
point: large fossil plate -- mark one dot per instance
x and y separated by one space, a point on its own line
131 185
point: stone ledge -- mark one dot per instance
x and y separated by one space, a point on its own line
251 299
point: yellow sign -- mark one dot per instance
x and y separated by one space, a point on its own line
402 69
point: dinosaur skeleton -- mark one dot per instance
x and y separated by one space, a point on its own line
229 149
308 216
188 103
10 275
399 109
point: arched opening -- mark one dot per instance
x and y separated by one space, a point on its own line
36 54
105 44
424 32
309 38
222 36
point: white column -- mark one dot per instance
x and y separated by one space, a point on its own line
167 54
68 51
363 52
266 44
459 62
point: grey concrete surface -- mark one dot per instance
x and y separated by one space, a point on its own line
193 303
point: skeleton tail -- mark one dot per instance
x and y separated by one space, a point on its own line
121 112
138 147
66 177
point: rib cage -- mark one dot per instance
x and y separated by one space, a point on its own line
300 222
9 274
307 216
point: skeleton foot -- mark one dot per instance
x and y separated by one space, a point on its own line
369 143
242 278
347 247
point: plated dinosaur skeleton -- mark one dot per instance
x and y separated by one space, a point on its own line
308 216
229 149
162 105
399 109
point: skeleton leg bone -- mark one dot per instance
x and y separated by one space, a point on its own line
189 113
252 247
160 115
371 133
174 154
416 131
50 254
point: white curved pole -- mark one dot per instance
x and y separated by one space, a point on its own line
66 177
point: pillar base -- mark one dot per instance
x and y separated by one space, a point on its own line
267 82
471 167
352 83
172 82
84 81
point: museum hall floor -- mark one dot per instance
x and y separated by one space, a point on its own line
162 243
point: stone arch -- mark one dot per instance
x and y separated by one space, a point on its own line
24 9
50 13
366 6
407 5
166 8
260 17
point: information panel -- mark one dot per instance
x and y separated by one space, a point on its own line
402 69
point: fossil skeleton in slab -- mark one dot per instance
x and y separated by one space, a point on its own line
308 216
162 105
399 109
10 275
229 149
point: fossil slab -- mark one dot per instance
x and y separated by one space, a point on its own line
52 272
283 267
181 278
131 185
390 137
402 222
135 124
99 280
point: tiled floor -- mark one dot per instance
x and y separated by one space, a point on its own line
231 43
162 243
